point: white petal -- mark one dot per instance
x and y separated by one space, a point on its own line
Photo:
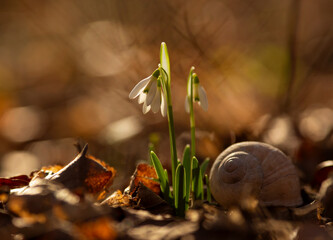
145 108
187 104
139 87
142 97
151 93
163 106
189 86
155 105
203 98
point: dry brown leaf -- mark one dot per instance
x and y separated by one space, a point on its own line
145 174
144 198
117 199
15 182
84 174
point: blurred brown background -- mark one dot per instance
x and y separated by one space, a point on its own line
67 67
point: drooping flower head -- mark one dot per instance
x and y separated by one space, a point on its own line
198 93
150 93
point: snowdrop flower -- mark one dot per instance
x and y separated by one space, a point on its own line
150 94
199 94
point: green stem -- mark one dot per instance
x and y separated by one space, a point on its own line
192 124
192 121
173 150
172 137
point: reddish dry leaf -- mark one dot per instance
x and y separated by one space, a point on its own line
96 182
145 174
15 182
85 174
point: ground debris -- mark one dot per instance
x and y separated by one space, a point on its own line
69 203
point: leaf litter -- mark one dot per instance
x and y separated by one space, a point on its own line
74 202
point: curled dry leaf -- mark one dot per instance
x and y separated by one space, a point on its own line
85 175
145 198
143 192
15 182
145 174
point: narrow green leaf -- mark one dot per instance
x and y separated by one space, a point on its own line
164 59
200 190
195 172
187 163
204 165
180 189
209 194
164 182
176 186
170 194
197 180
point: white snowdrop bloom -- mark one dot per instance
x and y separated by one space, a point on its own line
150 94
199 95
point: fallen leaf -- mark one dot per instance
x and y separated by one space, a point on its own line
85 174
15 182
145 198
117 199
145 174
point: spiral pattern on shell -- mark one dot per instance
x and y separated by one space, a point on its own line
254 169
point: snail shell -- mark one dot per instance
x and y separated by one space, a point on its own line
258 170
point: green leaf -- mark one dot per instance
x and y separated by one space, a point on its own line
164 182
209 194
176 183
180 190
199 187
170 194
164 59
197 182
188 172
195 172
204 165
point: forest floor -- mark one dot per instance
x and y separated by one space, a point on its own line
73 202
